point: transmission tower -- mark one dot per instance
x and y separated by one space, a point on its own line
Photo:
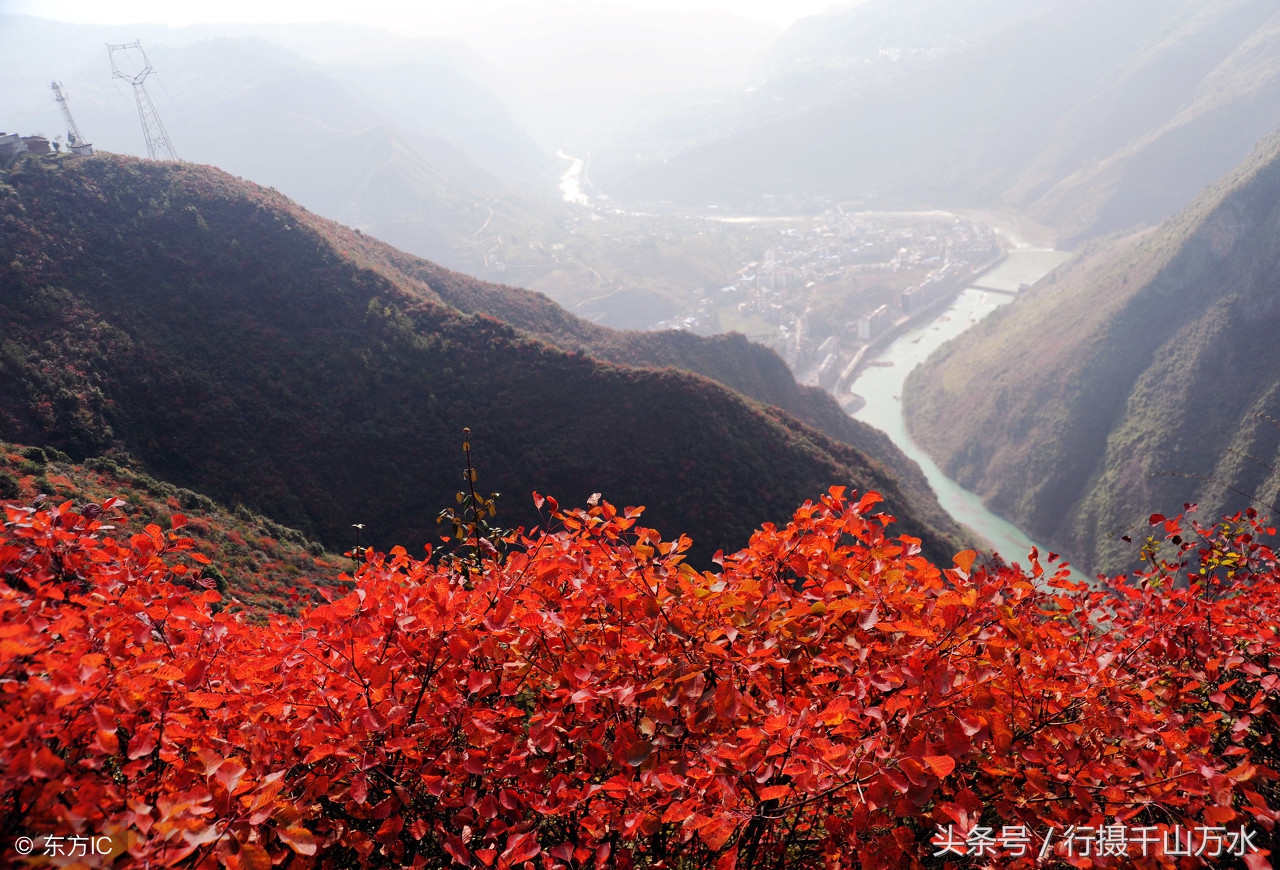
75 139
158 145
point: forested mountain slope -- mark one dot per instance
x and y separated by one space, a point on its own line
239 345
1143 376
752 369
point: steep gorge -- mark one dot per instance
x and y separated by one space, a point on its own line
1143 376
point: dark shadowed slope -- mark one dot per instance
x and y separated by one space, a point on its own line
742 365
239 345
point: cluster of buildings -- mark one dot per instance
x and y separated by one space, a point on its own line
878 270
842 247
875 324
940 284
12 144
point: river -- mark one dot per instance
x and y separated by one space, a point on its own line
571 181
882 386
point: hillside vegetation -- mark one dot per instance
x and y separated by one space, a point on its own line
237 345
249 559
749 368
1143 376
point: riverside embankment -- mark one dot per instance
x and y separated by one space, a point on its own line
880 383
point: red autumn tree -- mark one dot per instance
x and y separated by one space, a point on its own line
827 699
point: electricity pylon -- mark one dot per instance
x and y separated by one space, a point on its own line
158 145
75 139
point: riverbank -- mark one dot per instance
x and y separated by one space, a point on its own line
881 388
868 352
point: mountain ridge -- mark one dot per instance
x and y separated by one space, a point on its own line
243 347
730 359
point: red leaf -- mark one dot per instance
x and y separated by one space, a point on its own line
457 851
716 832
195 674
299 839
634 753
1257 861
253 857
915 771
520 848
726 700
229 774
141 744
108 742
1219 815
347 606
942 764
870 619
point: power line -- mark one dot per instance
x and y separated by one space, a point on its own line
183 119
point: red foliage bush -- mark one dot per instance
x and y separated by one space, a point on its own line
829 699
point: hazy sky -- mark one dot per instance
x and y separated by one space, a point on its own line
558 64
414 14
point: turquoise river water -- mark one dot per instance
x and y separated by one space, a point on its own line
881 385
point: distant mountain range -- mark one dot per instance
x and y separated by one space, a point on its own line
1144 375
396 137
229 93
1087 116
237 345
1084 117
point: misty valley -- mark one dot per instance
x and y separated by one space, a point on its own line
574 434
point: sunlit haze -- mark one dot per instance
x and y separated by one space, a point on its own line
559 63
406 16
